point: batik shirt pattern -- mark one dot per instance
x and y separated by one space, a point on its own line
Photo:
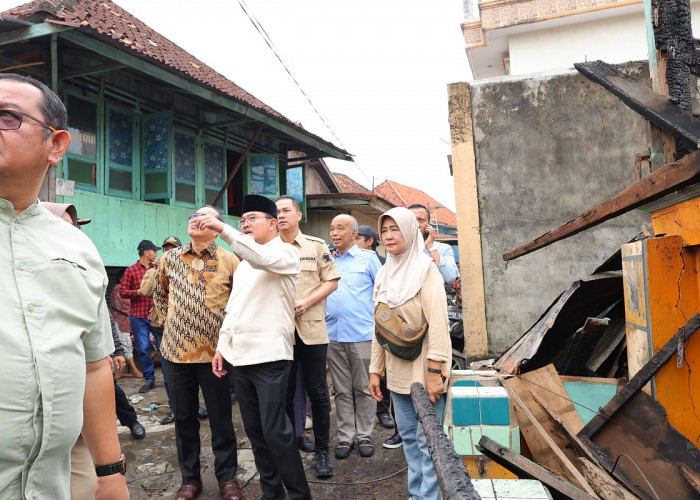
191 292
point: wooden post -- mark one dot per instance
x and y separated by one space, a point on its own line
452 475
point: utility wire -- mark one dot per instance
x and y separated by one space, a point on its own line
266 38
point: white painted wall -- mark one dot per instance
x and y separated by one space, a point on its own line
613 40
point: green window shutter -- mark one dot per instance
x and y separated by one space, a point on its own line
262 175
214 173
185 171
122 152
81 160
157 140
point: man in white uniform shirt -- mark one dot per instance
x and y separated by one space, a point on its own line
257 340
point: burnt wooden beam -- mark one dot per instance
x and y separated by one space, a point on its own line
658 184
656 108
526 469
452 475
641 378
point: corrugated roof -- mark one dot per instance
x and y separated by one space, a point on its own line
403 196
106 20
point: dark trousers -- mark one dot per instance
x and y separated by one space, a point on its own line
383 405
185 379
262 398
141 328
125 412
158 335
312 359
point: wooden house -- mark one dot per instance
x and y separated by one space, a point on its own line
156 132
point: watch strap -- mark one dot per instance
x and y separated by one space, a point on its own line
435 370
109 469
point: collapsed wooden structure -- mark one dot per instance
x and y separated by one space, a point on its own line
604 384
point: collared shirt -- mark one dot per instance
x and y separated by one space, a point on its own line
131 282
317 267
259 323
350 313
191 293
447 266
54 320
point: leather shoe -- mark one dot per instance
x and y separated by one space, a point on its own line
202 412
188 491
366 448
137 430
230 490
386 421
168 420
343 450
324 469
150 384
305 444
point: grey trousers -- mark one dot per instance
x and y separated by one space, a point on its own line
354 406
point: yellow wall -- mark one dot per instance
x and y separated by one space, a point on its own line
469 236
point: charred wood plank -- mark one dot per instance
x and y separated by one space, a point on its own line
658 184
656 108
641 377
587 449
568 469
527 469
452 475
605 486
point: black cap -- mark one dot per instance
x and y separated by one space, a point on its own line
172 240
257 203
368 232
146 245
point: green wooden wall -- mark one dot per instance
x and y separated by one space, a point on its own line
118 224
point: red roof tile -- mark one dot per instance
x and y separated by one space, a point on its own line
106 20
403 196
347 185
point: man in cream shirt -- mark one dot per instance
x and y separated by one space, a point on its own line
257 338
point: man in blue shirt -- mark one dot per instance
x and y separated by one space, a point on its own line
350 322
441 253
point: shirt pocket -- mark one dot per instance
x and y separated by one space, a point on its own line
309 273
356 275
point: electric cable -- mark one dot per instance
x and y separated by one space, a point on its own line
268 41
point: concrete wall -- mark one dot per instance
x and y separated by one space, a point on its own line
547 148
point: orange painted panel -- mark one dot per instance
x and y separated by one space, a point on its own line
681 219
480 467
672 280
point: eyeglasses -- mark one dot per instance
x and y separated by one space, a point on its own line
194 216
252 218
12 120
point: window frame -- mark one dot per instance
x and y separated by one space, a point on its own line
135 170
170 170
174 180
99 186
204 186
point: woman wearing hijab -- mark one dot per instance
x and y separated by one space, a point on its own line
410 286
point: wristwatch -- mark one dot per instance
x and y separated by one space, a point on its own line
435 370
432 249
115 468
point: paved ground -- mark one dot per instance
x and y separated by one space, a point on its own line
153 472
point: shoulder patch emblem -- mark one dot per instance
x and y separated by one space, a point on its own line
327 257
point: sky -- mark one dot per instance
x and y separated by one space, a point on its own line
377 72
